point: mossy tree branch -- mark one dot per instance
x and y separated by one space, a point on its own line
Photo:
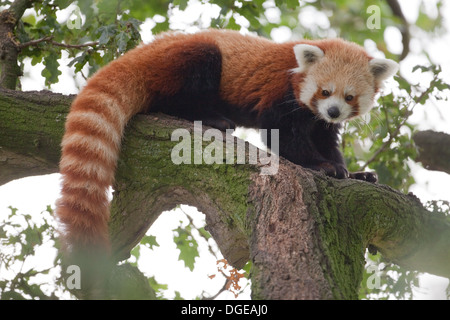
305 233
31 128
434 150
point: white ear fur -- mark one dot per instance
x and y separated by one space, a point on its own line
383 68
306 55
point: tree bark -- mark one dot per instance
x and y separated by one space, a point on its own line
434 150
31 128
305 233
9 47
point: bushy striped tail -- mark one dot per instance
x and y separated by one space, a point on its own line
171 64
90 149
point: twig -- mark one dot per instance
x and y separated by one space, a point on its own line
404 29
49 39
223 289
191 222
75 46
35 42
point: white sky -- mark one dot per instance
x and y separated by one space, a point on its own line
32 195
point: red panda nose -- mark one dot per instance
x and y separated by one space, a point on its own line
334 112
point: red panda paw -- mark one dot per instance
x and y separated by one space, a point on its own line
332 169
366 176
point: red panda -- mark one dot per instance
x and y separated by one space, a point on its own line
304 88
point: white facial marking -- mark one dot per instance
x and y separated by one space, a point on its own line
309 88
324 105
366 101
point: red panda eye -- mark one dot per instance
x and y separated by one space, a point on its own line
349 98
325 93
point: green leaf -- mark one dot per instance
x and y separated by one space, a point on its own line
422 68
425 22
32 236
3 234
149 241
108 10
30 19
11 295
133 28
187 246
160 27
106 33
182 4
51 71
13 211
136 252
178 296
122 41
232 24
62 4
292 4
144 9
158 287
79 62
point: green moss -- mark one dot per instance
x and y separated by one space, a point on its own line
27 123
145 161
341 240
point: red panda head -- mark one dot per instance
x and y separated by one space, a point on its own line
340 80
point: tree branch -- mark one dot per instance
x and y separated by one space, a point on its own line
404 29
49 39
305 233
434 150
31 128
287 224
35 42
18 7
15 166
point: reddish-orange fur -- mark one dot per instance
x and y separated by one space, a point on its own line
255 71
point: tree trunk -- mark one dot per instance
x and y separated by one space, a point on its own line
305 233
9 46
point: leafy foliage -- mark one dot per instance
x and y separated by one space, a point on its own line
383 280
188 237
384 142
22 240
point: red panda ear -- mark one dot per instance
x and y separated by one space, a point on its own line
383 68
306 55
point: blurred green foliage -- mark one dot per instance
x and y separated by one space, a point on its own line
21 239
